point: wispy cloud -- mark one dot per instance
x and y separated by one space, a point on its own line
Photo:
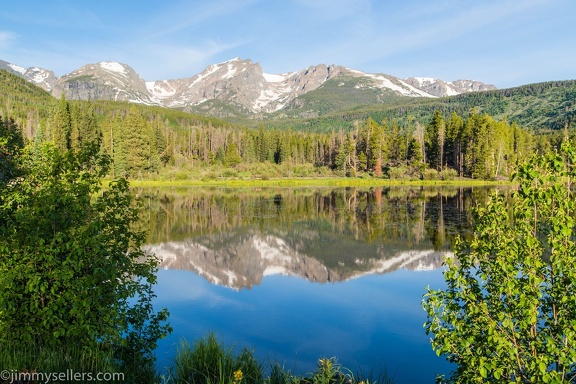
443 24
182 17
179 38
185 60
7 39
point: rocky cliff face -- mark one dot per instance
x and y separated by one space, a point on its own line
245 263
103 81
442 88
237 83
241 83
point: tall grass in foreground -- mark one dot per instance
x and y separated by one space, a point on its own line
209 362
206 362
68 358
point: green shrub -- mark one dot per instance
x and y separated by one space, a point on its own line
430 174
72 270
229 172
181 175
448 174
507 312
398 173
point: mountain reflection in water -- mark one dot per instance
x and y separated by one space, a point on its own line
243 265
299 273
236 237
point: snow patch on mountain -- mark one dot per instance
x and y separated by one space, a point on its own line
231 71
423 81
17 68
160 89
401 87
276 78
113 66
237 82
450 90
413 260
37 75
272 249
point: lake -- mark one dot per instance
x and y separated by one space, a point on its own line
297 274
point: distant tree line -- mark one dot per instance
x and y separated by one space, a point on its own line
141 143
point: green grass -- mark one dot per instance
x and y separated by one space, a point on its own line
30 363
206 362
209 362
299 175
312 182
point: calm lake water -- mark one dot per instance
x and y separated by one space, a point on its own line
299 274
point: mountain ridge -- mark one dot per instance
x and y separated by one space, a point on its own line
246 263
240 84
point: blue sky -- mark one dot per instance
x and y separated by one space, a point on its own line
502 42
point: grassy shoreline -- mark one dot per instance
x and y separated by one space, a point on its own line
312 182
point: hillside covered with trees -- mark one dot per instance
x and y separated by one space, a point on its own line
144 141
537 107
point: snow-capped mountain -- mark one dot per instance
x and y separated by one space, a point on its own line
239 83
105 80
243 83
441 88
41 77
244 264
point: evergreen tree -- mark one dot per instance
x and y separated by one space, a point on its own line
84 126
415 151
435 136
453 148
375 146
11 142
232 157
398 149
61 124
137 144
119 148
219 156
263 144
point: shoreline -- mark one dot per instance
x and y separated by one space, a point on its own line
312 182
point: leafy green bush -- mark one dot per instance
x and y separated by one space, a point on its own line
72 271
508 312
448 174
399 173
229 172
430 174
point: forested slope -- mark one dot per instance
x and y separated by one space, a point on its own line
405 138
541 106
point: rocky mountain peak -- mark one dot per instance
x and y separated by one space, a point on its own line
44 78
238 83
245 263
442 88
107 80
